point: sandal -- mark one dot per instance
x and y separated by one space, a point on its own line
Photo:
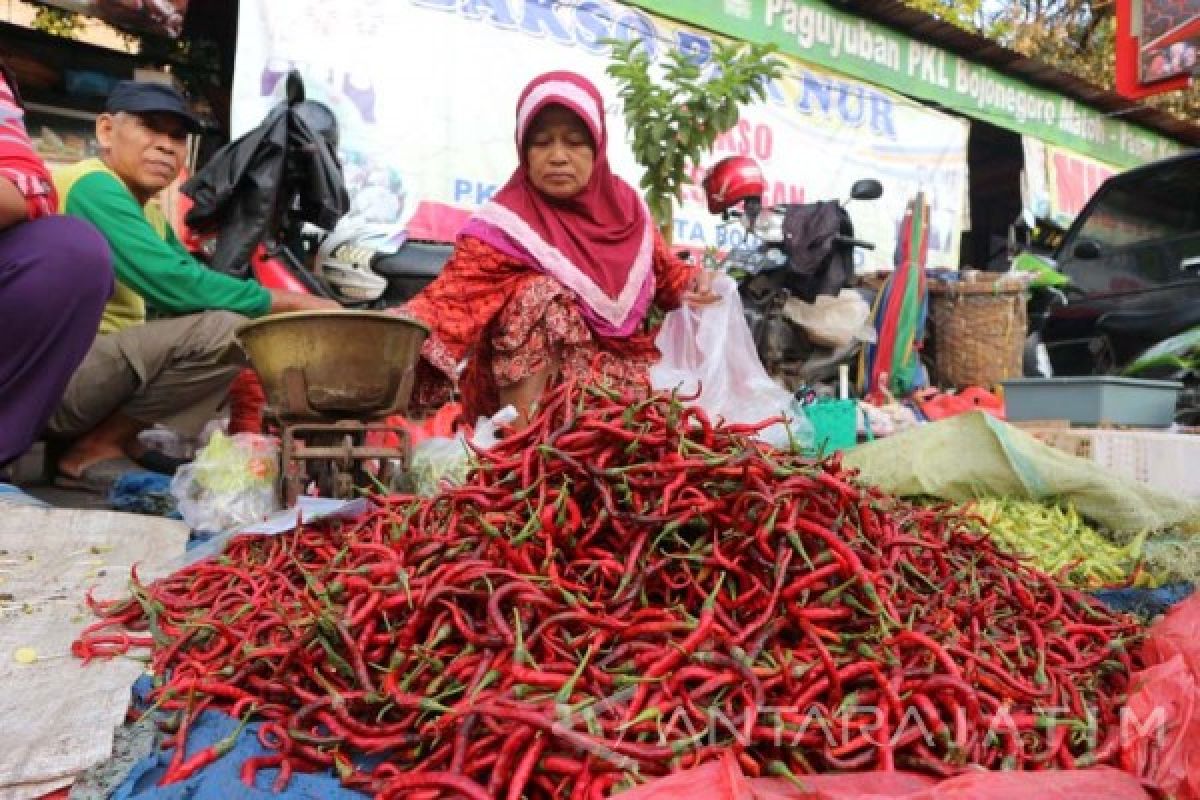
99 477
158 461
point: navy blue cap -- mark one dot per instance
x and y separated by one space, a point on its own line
146 97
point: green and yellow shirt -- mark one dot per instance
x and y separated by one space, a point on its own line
152 267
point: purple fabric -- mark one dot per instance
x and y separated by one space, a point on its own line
493 236
55 277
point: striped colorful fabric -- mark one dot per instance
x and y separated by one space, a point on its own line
893 362
19 162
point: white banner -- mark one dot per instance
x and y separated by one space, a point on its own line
425 92
1057 182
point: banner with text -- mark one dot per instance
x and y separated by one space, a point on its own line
818 33
1058 182
1168 34
425 93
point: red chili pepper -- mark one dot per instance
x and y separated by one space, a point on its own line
188 767
508 752
530 630
401 787
252 766
524 770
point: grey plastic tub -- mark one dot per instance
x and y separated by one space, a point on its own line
1099 400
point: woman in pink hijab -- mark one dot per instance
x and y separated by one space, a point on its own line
556 277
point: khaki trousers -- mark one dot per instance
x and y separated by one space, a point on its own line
171 371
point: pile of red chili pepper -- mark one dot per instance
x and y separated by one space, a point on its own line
621 590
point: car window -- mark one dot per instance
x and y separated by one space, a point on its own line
1162 204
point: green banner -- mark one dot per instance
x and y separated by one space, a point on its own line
815 32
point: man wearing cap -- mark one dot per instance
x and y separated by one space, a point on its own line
175 370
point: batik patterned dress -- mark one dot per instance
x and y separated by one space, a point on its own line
508 321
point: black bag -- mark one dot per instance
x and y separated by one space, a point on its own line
286 168
817 262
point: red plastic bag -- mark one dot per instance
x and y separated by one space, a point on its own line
717 780
1097 783
723 780
442 424
247 401
851 786
1176 634
1160 729
939 405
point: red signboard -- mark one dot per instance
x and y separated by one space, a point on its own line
161 17
1074 180
1169 38
1158 45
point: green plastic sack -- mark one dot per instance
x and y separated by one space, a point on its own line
975 455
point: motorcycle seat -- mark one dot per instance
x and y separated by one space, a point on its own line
421 259
1150 324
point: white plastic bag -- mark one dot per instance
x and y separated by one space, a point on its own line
712 345
486 428
832 321
231 482
437 462
442 461
166 441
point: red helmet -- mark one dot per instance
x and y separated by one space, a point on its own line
732 180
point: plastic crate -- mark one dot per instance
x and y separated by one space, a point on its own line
1163 460
1101 400
835 425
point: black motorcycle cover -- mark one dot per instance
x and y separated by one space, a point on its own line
242 193
817 262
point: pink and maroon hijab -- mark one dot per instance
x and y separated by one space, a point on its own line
599 243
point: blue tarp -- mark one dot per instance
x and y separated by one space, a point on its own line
221 780
143 492
1145 602
13 494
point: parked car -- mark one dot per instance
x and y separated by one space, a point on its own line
1129 272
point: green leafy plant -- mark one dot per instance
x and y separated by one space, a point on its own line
195 61
676 120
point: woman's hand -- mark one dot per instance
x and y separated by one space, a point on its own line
701 293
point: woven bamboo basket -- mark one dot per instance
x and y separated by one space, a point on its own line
980 331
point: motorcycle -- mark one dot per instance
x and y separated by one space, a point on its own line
1032 242
273 206
396 267
792 255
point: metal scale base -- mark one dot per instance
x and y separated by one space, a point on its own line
336 459
331 379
